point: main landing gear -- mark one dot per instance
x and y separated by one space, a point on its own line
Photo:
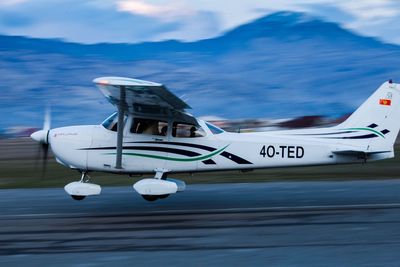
153 197
81 189
76 197
151 189
159 187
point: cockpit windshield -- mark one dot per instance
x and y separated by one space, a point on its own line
107 123
214 129
111 123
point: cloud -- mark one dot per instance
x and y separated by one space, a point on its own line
12 2
367 17
101 21
370 10
93 21
377 18
15 20
191 29
169 11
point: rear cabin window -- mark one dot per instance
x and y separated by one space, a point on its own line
149 126
214 129
184 130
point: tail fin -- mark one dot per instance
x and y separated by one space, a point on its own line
377 120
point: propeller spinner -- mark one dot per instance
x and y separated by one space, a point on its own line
41 137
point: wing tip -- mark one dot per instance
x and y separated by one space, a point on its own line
114 80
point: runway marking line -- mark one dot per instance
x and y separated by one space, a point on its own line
228 210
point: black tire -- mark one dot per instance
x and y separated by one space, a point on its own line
163 196
150 197
76 197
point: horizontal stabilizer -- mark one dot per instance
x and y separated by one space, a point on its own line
358 152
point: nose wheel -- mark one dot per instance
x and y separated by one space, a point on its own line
76 197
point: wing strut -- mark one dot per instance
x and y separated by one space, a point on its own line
120 127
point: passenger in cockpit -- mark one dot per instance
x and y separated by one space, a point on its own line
164 131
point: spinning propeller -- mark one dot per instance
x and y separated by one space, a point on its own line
41 137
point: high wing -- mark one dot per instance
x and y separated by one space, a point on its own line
141 97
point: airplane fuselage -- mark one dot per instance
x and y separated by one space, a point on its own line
92 148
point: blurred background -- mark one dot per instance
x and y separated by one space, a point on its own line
246 66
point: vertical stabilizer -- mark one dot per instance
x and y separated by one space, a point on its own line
377 120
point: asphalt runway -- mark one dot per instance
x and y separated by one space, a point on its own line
353 223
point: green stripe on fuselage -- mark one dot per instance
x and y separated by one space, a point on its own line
366 129
202 157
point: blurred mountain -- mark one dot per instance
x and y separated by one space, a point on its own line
282 65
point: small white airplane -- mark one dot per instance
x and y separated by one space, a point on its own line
152 133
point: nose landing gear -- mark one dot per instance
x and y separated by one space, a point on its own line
159 187
80 189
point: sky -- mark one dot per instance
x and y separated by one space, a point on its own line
132 21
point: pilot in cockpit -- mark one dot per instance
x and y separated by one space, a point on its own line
192 131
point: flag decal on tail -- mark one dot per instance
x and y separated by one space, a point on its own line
385 102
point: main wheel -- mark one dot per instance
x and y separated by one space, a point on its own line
150 197
76 197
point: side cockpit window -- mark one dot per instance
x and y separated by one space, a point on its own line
149 127
185 130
